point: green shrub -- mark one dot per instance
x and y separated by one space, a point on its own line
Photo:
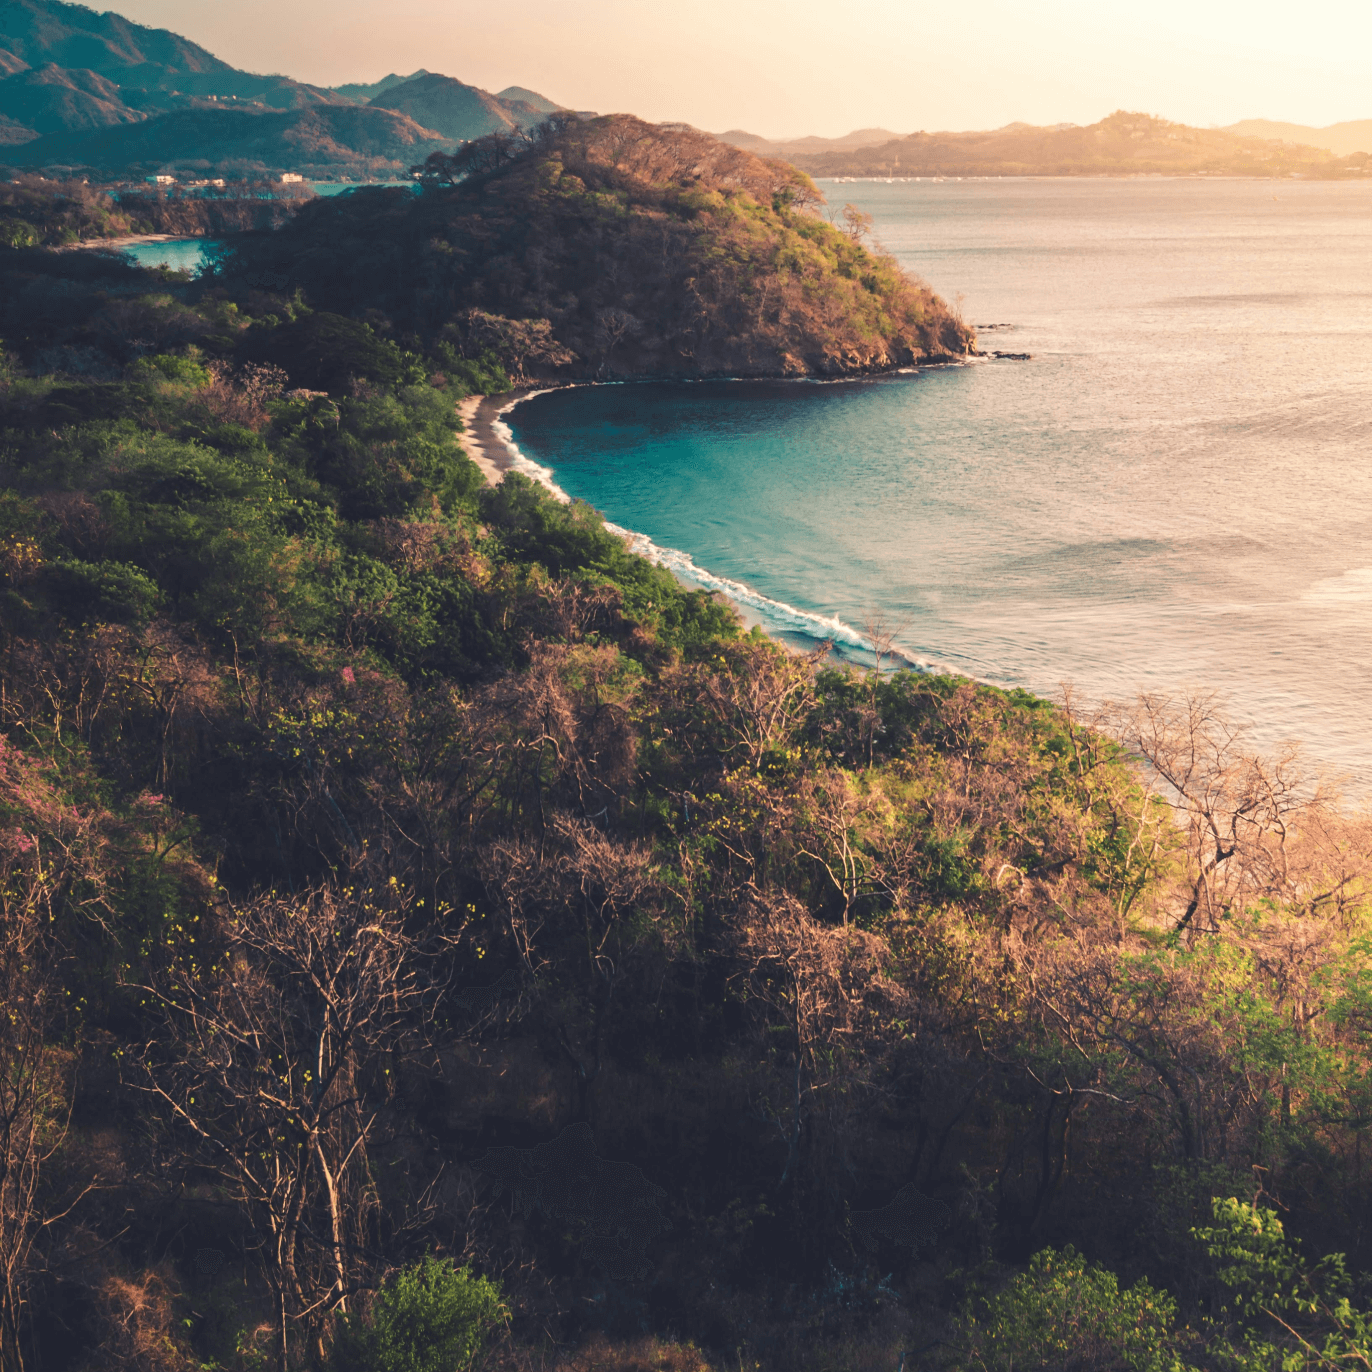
95 592
432 1317
328 352
15 233
1064 1314
185 370
1286 1314
482 375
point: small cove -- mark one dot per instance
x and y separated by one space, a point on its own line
1174 492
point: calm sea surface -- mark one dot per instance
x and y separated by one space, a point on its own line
1176 491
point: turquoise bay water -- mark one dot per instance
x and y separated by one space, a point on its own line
181 254
1176 491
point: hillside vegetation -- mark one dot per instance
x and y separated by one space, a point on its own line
1354 135
619 248
52 98
143 62
1123 143
35 211
417 910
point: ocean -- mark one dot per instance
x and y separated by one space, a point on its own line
1174 493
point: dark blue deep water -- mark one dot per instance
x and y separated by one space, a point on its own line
1176 491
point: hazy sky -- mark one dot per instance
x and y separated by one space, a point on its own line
817 66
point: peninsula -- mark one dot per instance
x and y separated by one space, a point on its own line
611 248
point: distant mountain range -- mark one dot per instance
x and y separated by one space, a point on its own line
1123 143
94 91
793 147
362 91
458 111
1340 139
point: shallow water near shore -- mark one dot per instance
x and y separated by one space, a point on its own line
1176 491
181 254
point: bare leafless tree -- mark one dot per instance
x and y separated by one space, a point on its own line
612 326
761 701
881 632
1255 826
814 978
272 1066
857 224
48 848
35 1107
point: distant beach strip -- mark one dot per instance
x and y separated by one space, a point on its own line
479 438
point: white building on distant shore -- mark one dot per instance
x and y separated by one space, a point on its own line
291 178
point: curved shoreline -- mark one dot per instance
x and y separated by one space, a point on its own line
132 241
788 625
492 453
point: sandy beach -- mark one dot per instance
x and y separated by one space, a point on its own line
128 242
479 438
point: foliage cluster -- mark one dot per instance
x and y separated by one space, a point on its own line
1278 1312
432 1317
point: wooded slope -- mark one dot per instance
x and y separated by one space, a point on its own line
319 141
648 250
396 865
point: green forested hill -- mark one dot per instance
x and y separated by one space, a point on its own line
458 111
318 142
37 33
51 98
638 249
66 69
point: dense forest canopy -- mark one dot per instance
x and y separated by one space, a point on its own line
648 250
431 937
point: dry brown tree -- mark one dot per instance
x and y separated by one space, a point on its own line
880 631
761 701
273 1065
556 734
34 1103
814 978
1255 827
578 888
51 872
